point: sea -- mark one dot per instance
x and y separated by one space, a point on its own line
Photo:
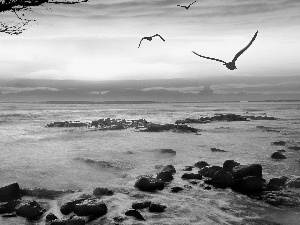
81 159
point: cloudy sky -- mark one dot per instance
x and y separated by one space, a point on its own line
98 40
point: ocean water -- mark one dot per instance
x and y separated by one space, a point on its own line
80 159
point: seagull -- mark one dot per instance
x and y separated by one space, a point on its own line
231 65
150 38
186 7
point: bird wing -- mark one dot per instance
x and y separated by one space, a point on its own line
219 60
157 35
141 41
244 49
192 3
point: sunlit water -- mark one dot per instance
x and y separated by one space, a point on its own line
39 157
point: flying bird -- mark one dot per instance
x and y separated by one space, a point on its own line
150 38
231 65
186 7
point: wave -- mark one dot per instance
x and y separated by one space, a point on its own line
106 165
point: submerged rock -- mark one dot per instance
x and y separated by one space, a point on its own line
30 210
294 147
176 189
278 143
249 185
191 176
278 155
9 206
169 168
276 184
149 184
136 214
102 191
188 168
141 205
217 150
165 176
167 151
201 164
44 193
242 171
209 171
90 207
10 192
294 183
155 207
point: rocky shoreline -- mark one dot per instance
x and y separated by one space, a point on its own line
243 179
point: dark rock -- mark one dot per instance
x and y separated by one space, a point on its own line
185 129
141 205
30 210
276 184
71 221
193 182
201 164
149 184
191 176
188 168
206 187
281 150
165 176
217 150
51 217
9 206
136 214
44 193
90 207
294 183
294 147
176 189
249 185
10 215
168 151
68 207
119 219
278 143
278 155
169 168
10 192
279 198
102 191
222 179
242 171
154 207
209 171
229 164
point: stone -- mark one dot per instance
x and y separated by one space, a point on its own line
242 171
209 171
201 164
9 206
217 150
90 207
278 155
176 189
136 214
102 191
141 205
30 210
222 179
149 184
249 185
188 168
10 192
168 151
68 207
155 207
294 147
169 168
276 184
191 176
228 165
51 217
165 176
74 220
278 143
294 183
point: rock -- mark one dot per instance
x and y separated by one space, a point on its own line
119 219
229 164
9 206
242 171
74 220
141 205
50 217
165 176
294 183
294 147
30 210
279 198
278 143
209 171
191 176
90 207
276 184
217 150
154 207
201 164
10 192
249 185
102 191
185 129
281 150
188 168
169 168
278 155
44 193
176 189
149 184
68 207
168 151
222 179
136 214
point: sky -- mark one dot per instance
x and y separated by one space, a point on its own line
98 40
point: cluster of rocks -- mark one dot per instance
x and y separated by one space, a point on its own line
170 127
224 117
279 153
69 124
